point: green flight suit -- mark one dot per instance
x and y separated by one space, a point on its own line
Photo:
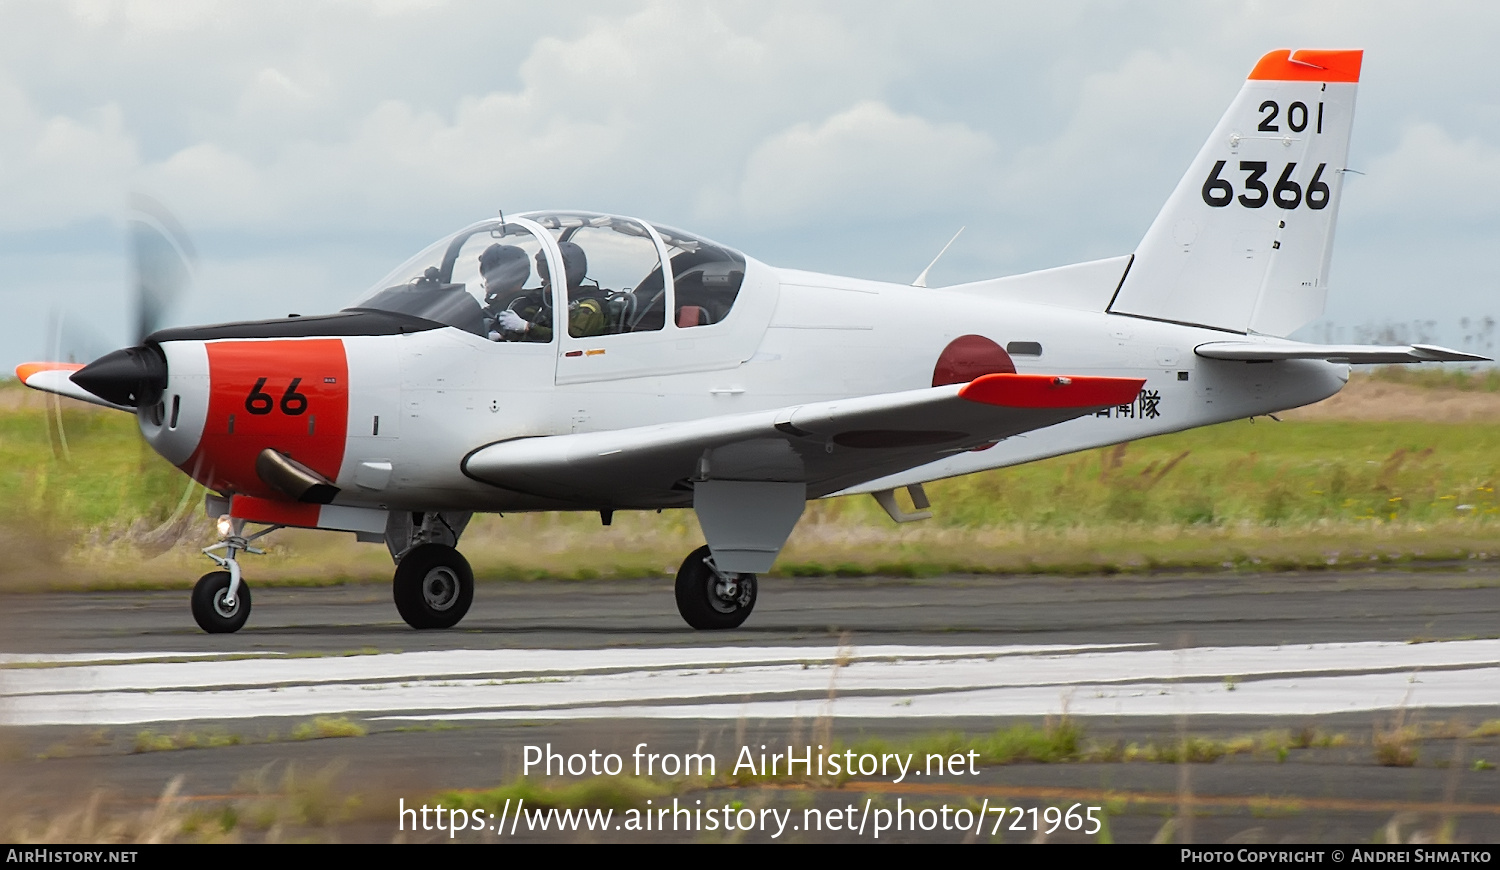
585 318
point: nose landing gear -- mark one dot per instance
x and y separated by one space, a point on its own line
221 599
711 599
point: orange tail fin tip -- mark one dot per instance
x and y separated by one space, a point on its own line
1309 65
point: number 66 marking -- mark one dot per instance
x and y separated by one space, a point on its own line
259 402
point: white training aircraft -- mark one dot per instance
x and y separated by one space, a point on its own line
691 375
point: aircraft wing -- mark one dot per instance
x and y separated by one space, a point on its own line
57 378
827 445
1266 351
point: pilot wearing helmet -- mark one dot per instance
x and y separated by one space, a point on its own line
531 318
504 269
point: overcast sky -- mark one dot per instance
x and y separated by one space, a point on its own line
309 147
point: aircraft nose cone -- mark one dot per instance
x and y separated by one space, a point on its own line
131 376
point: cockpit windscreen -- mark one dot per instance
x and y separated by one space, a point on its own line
464 280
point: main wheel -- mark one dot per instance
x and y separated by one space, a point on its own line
209 609
434 586
712 599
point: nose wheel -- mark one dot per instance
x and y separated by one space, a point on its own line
433 587
710 599
213 608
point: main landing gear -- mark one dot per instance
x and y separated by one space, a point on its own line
221 599
712 599
434 586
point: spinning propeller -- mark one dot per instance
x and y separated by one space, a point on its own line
161 260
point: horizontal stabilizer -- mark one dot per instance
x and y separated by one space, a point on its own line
1258 351
50 377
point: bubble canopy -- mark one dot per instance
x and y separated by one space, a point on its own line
468 278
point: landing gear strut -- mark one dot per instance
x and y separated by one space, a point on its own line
711 599
434 586
221 599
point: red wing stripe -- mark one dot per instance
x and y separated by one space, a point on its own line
1051 391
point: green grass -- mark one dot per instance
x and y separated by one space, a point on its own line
603 792
1485 379
1017 744
152 741
328 726
1236 474
109 478
148 740
1237 496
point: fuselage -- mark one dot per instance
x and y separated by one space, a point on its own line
388 418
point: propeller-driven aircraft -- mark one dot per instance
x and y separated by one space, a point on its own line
567 360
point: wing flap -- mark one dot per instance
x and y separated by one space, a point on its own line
827 445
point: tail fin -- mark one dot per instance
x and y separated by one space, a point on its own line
1243 244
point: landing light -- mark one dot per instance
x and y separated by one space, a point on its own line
226 526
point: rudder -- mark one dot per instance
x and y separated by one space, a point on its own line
1243 243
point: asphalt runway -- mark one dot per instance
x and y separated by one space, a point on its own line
606 666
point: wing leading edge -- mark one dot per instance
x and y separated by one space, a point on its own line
828 446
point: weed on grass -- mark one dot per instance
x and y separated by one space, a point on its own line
604 792
1487 728
152 741
293 804
92 821
78 744
427 726
1440 378
328 726
1022 743
297 798
1193 749
148 740
1396 746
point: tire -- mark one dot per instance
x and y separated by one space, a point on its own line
208 604
699 597
433 587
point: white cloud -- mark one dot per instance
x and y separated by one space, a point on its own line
1053 132
1432 176
867 159
1132 132
55 170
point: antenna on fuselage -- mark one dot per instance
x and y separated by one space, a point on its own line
922 278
